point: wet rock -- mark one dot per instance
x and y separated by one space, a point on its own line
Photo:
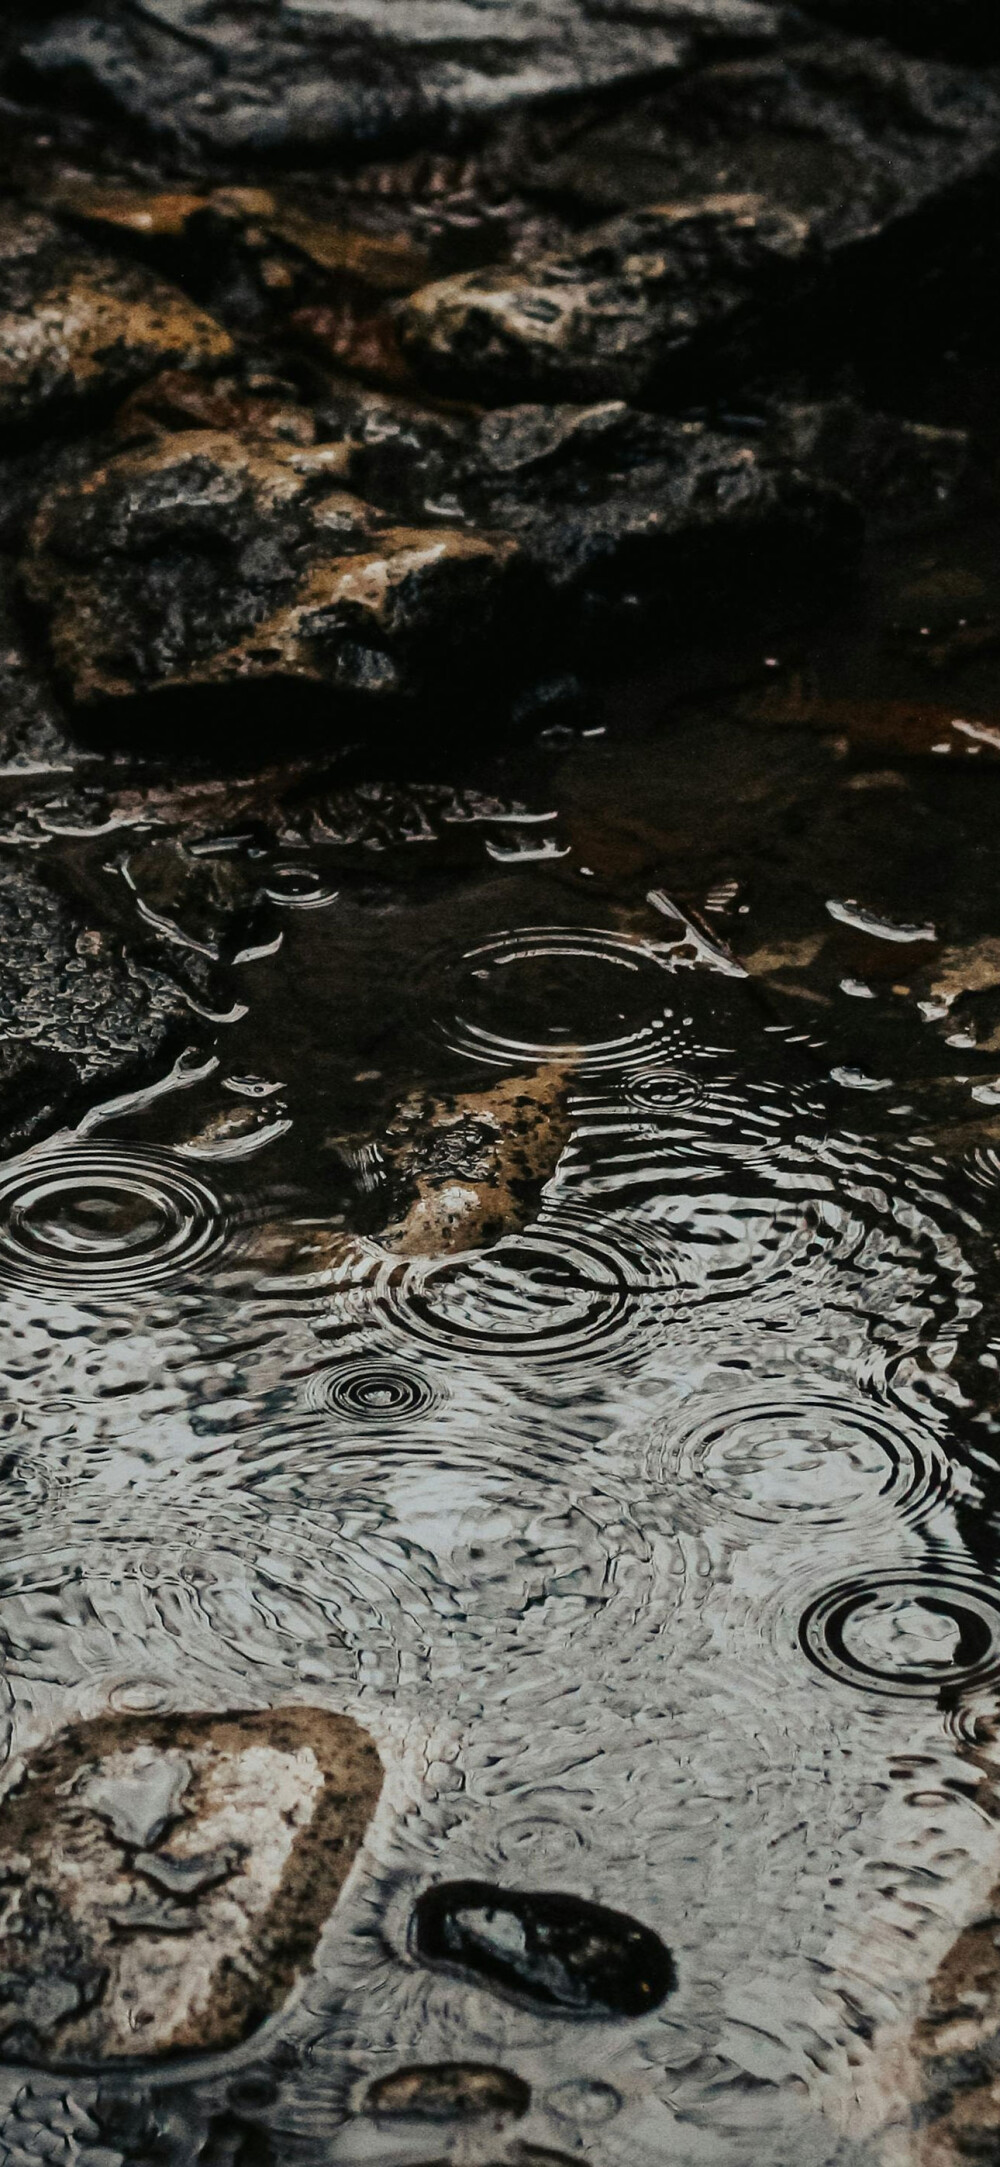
609 315
306 83
555 1950
877 153
474 1166
75 1005
448 2091
601 497
254 404
208 560
967 28
33 734
902 473
164 1881
78 326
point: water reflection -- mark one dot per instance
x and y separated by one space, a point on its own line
637 1541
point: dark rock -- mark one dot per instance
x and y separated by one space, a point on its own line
872 174
211 561
902 473
556 1950
76 326
608 315
33 734
448 2091
75 1006
199 75
842 132
969 29
603 499
246 1824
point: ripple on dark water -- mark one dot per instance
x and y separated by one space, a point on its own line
575 994
97 1219
912 1633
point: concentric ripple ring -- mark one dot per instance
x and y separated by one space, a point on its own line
905 1632
97 1219
371 1391
815 1458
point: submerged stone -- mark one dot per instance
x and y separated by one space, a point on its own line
211 560
448 2091
164 1880
75 325
559 1951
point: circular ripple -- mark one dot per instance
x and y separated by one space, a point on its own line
98 1219
664 1090
565 1290
906 1633
561 993
818 1460
371 1391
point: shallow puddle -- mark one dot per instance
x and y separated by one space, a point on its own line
654 1541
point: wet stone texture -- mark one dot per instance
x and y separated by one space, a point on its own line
208 561
164 1884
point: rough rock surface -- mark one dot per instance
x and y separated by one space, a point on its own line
758 172
609 315
308 82
33 736
472 1167
164 1881
208 560
75 325
555 1950
602 496
75 1006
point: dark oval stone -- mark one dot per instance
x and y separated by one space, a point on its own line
446 2091
548 1948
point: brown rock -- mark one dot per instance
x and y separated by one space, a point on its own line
477 1163
164 1880
448 2091
75 325
212 560
605 316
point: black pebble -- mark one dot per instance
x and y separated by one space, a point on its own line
548 1948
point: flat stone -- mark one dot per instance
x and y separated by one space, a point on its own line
607 316
448 2091
208 560
78 326
557 1951
308 80
247 1825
